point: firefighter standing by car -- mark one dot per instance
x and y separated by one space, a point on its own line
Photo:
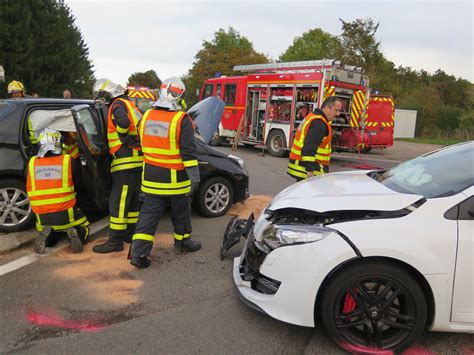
17 90
126 165
311 150
50 188
170 174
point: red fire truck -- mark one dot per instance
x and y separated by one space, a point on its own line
143 96
271 100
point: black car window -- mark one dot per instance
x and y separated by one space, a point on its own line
466 209
87 128
443 172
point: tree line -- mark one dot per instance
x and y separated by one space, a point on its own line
41 46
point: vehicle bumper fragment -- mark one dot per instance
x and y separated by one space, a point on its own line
236 228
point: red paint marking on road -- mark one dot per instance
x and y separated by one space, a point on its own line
417 350
51 320
414 350
354 349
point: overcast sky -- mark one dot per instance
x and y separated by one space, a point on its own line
130 36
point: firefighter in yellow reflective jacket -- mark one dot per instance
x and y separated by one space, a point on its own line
311 150
170 173
50 188
70 145
126 165
17 91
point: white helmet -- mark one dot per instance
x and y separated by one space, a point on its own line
107 90
50 141
170 91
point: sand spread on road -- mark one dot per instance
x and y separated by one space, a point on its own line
255 204
107 277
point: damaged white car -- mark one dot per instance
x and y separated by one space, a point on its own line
376 257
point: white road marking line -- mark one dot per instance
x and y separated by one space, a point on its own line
31 258
18 263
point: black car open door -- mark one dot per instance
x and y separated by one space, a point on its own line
95 158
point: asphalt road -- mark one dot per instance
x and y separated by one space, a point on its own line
89 303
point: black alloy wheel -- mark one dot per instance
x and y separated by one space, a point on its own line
373 306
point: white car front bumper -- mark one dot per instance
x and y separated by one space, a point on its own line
300 270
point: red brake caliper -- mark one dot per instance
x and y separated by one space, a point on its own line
349 304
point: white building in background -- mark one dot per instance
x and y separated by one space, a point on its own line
405 123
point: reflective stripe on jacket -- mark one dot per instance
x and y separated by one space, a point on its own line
126 158
113 130
72 150
49 184
164 171
323 152
159 136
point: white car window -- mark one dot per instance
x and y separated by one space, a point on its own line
440 173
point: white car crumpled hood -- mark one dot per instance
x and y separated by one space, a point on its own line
352 190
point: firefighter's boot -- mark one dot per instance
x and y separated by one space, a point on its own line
142 262
110 246
43 239
186 245
75 241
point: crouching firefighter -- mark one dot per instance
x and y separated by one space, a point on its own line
311 150
126 165
170 173
50 188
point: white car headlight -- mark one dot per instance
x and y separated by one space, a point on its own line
279 235
238 160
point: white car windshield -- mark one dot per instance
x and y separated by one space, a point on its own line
443 172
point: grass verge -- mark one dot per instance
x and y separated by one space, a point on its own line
439 141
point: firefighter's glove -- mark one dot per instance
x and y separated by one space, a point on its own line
193 175
130 141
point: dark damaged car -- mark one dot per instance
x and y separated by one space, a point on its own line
224 178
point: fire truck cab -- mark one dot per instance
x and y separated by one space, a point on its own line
143 97
269 103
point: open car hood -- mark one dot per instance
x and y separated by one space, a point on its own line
353 190
207 116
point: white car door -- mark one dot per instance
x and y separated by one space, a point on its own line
463 293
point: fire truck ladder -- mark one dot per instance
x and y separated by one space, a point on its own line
309 65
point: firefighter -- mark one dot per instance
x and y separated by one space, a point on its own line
311 150
170 173
50 188
17 90
70 145
126 165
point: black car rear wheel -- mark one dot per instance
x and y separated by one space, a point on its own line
15 208
214 196
217 140
373 306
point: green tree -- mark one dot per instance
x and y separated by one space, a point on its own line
149 79
359 44
42 47
312 45
220 55
448 119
